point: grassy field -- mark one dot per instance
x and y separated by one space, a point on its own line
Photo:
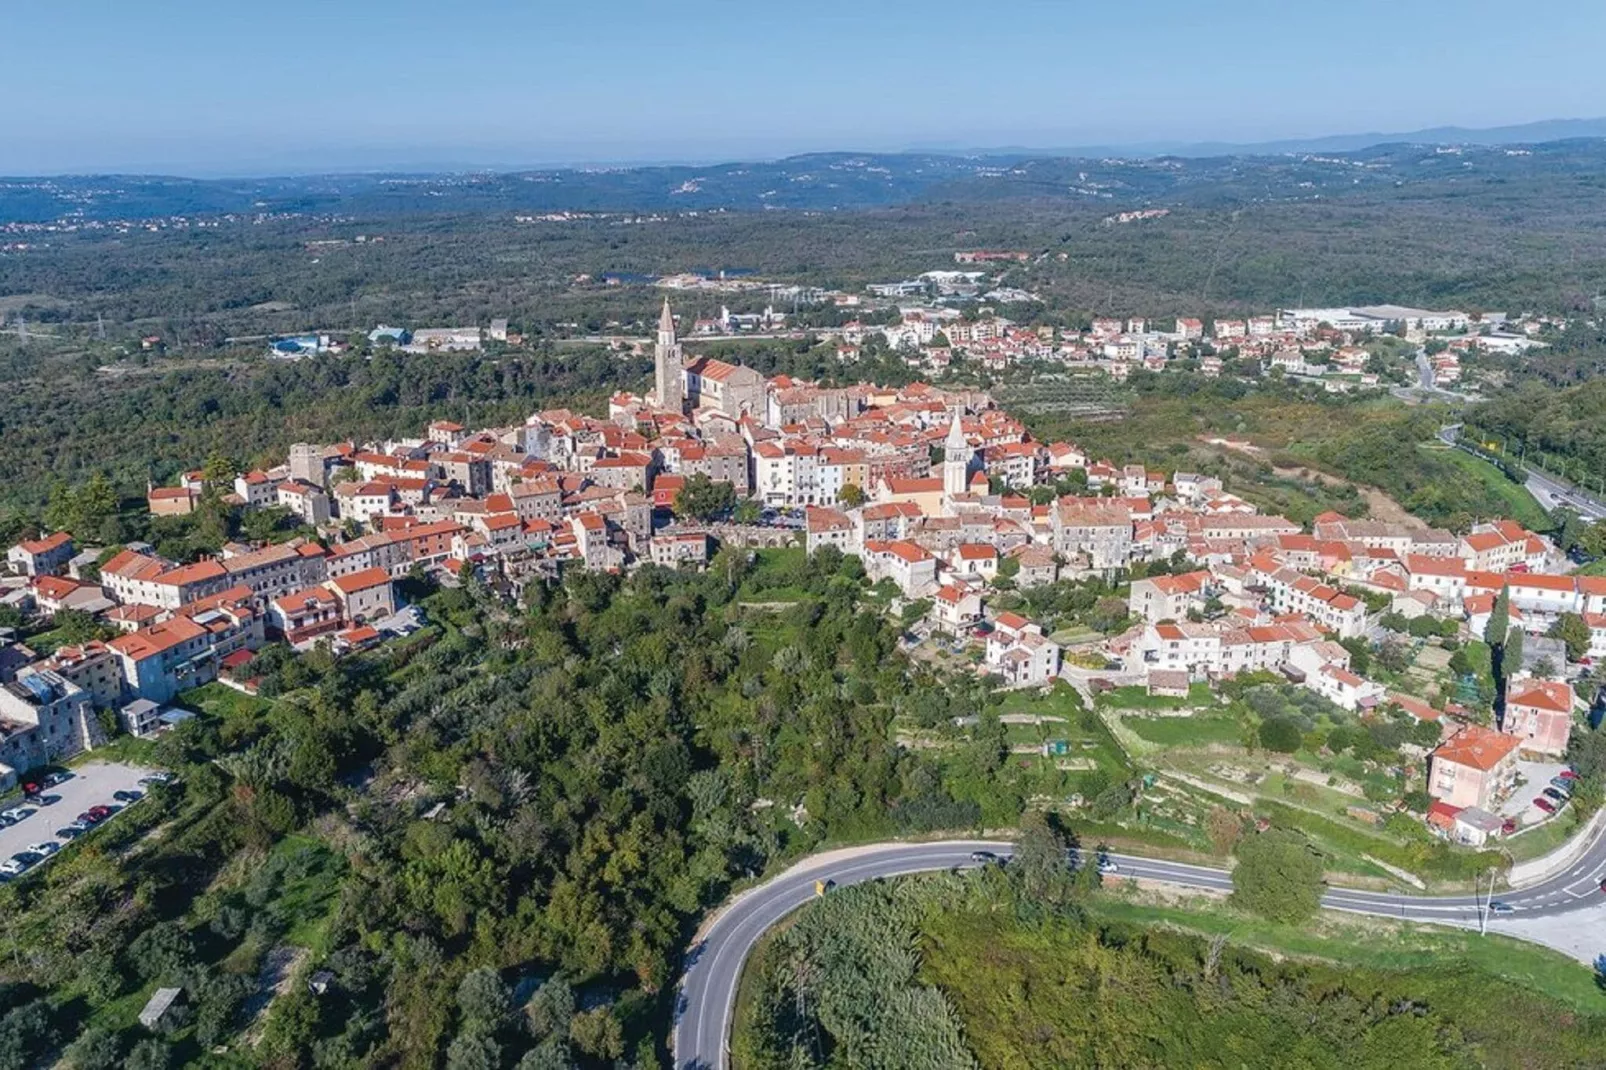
224 702
1373 942
1186 731
1520 505
1138 698
1150 990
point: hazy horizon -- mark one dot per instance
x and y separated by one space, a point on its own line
194 89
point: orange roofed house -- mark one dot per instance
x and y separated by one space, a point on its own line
364 596
1540 714
909 565
41 557
1475 767
1169 597
183 651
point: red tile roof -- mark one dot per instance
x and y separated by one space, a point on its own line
1477 748
364 580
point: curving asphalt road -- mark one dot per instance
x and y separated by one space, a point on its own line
707 997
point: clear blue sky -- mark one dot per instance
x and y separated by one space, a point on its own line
225 86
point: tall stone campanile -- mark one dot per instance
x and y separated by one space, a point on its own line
668 364
956 457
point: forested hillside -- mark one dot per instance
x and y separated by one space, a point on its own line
496 836
1567 427
1495 232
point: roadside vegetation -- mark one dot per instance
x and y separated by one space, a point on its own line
987 968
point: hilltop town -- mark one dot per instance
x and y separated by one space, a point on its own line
946 499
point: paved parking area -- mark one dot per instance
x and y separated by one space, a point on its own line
92 784
1520 805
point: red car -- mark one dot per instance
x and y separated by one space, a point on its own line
1545 804
88 817
1567 774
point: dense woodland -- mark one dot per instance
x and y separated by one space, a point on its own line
1565 428
1511 234
518 804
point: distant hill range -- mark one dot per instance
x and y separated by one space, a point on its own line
1521 134
1117 179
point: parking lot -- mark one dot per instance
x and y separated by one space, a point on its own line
92 784
1521 804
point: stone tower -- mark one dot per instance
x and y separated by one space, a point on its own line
306 463
668 364
956 456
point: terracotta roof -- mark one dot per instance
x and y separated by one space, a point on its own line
361 581
56 588
305 598
1544 695
911 552
1476 747
199 572
46 544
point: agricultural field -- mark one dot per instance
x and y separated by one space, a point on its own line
1283 752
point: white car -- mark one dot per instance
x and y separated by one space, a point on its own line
1107 865
17 813
44 847
11 867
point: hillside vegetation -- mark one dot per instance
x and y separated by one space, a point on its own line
972 970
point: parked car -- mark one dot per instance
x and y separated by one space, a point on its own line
128 796
156 778
1500 906
11 868
1603 886
1562 785
30 788
80 826
1545 804
68 832
44 848
17 813
1556 797
27 858
88 818
58 778
1567 774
